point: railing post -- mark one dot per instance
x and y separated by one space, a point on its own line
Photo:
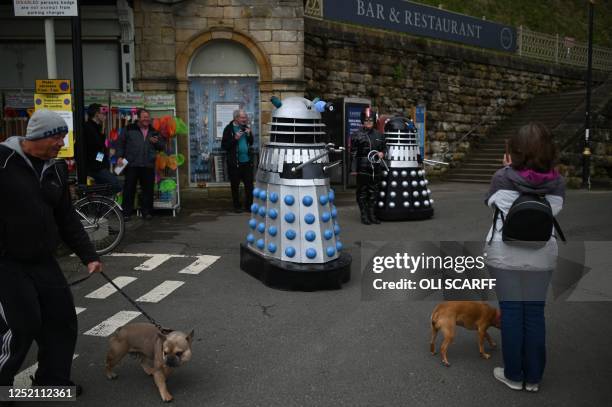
557 48
520 40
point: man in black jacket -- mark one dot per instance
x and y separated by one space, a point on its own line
96 151
35 213
367 151
139 144
237 141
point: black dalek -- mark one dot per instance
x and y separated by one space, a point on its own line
404 192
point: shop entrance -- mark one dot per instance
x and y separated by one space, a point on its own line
223 77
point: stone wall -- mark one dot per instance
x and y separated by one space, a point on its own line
168 36
464 89
277 26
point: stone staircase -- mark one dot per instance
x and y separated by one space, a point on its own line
550 110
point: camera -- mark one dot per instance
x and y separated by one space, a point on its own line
243 127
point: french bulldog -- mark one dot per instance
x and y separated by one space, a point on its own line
158 352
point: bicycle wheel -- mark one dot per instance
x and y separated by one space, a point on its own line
102 219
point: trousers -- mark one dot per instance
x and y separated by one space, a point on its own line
36 304
243 172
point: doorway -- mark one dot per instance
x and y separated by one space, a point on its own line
223 77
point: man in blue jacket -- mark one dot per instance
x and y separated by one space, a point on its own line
36 212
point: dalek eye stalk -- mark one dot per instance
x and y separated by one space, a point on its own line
404 192
293 238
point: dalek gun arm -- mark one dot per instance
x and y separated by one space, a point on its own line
434 162
330 148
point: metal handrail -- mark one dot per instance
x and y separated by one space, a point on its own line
485 119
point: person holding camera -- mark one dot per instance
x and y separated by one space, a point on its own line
521 249
237 141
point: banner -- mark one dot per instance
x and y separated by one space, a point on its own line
417 19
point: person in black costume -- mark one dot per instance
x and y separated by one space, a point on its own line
367 153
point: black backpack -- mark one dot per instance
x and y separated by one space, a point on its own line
529 219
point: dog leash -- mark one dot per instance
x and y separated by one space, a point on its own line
157 325
80 280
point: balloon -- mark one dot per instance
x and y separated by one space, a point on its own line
157 124
114 135
180 159
181 127
167 185
171 162
161 161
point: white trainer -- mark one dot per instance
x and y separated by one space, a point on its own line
498 373
532 387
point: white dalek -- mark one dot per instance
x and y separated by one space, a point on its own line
404 192
293 238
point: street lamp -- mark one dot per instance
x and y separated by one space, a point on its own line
586 153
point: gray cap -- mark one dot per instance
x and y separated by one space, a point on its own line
45 123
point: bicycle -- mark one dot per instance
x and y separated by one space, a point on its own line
101 216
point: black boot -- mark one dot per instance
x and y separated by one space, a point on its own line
364 214
372 215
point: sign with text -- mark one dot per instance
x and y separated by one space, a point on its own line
62 105
52 86
160 101
417 19
128 99
419 121
45 8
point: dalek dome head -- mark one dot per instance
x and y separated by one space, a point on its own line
399 124
295 108
298 120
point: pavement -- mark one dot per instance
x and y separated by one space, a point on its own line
257 346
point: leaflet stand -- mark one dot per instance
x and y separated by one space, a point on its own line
160 105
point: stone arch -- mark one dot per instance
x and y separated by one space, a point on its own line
195 43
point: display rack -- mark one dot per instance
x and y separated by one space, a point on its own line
160 105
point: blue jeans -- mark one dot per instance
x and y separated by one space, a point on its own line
104 176
523 340
523 328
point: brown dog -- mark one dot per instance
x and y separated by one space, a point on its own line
158 352
468 314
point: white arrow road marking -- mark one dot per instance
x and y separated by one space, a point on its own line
109 326
107 289
200 264
79 310
153 262
161 291
23 381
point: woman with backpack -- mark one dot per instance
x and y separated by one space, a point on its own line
521 250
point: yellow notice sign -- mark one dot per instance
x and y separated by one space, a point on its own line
62 105
53 86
